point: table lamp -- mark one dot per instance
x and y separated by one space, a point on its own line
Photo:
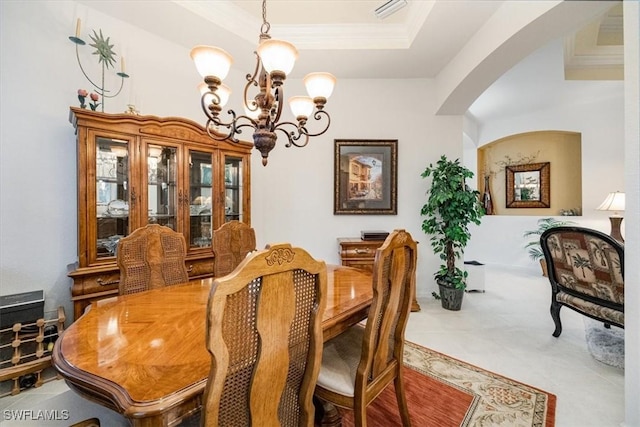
614 202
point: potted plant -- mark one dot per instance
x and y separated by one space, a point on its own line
450 208
533 247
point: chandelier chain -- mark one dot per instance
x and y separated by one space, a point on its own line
274 60
264 29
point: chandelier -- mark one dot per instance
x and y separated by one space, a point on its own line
274 61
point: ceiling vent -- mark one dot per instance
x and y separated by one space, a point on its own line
389 8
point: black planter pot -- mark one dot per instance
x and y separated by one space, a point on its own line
451 298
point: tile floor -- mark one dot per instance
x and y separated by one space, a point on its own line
507 329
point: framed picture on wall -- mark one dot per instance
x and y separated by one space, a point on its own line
528 186
365 177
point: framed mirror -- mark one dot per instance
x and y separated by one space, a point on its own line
528 186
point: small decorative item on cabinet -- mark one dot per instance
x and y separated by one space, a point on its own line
106 58
82 95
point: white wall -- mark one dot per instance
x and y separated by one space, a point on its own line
293 195
632 180
292 198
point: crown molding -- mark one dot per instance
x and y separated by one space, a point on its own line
379 35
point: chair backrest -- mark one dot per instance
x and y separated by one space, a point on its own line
393 289
231 244
151 257
585 263
264 334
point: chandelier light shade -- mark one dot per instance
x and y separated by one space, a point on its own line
277 55
301 106
319 85
211 61
614 202
274 61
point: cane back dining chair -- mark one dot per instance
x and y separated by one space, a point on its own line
232 241
586 273
151 257
360 363
264 334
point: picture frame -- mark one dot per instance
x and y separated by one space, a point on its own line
365 177
528 186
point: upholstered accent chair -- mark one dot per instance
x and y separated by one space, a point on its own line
360 363
586 272
264 333
232 241
151 257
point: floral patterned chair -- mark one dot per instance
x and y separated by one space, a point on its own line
586 272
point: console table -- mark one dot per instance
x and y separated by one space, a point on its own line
358 253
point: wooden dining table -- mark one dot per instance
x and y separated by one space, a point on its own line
144 355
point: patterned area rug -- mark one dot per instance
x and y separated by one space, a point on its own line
445 392
605 345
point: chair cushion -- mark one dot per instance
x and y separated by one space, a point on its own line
595 310
340 359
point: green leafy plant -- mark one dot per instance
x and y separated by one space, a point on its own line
533 247
450 208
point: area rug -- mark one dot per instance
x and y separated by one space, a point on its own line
605 345
444 392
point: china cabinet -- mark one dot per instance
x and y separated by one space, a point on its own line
137 170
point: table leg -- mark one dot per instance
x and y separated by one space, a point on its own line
327 414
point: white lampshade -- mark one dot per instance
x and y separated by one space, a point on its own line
277 55
224 92
211 61
319 84
301 106
613 202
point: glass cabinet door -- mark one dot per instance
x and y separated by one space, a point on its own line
112 194
162 193
200 199
233 191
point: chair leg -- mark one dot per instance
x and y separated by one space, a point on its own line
359 414
555 315
402 400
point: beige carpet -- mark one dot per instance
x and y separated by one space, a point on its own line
446 392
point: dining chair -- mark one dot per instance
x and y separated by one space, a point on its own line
360 363
232 241
151 257
264 334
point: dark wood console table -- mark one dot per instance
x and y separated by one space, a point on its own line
358 253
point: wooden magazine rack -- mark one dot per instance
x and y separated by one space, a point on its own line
25 351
